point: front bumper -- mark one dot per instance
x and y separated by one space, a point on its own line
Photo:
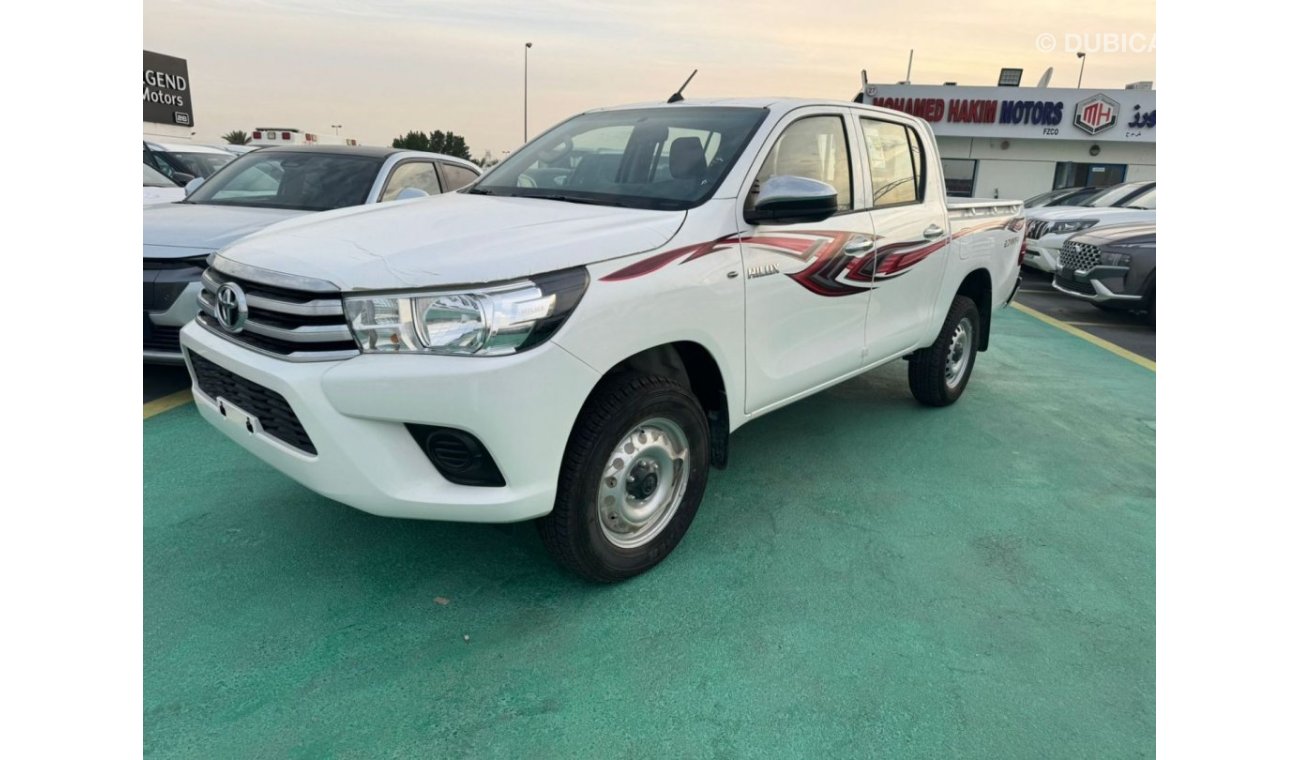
521 407
1092 284
1044 253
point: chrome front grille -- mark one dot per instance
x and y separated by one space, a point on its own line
1079 256
286 322
1035 229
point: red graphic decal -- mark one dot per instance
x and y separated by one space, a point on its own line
892 261
830 271
660 260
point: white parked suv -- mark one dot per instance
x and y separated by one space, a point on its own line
1047 227
574 336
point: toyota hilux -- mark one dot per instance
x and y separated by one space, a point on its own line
574 337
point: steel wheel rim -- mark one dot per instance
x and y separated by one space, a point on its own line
643 483
959 353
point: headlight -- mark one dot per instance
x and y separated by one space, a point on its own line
485 321
1109 259
1071 226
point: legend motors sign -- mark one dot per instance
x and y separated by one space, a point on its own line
167 98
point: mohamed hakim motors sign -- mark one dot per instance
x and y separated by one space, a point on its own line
167 97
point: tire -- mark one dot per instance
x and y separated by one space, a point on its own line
928 372
618 514
1151 308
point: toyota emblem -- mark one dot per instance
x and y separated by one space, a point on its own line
232 307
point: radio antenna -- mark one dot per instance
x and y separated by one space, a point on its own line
861 97
676 97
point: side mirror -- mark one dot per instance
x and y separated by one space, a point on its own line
408 193
193 185
787 199
181 178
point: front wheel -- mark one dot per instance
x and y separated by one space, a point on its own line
632 478
938 374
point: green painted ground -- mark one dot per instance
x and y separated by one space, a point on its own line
869 579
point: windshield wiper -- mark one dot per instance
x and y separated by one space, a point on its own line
571 199
479 191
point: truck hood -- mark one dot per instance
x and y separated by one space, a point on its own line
173 229
452 239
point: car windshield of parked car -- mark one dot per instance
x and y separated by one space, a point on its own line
1146 201
1111 196
1076 197
655 158
1042 198
199 164
291 180
155 178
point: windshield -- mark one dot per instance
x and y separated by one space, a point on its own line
1112 196
198 164
302 181
155 178
1146 200
661 158
1042 198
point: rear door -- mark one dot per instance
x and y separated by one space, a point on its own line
411 173
806 292
910 220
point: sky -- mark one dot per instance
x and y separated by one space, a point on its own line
384 67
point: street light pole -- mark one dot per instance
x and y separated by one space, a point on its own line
527 45
1083 59
336 127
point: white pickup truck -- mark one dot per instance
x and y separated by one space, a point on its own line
574 336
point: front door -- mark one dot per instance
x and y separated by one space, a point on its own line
806 285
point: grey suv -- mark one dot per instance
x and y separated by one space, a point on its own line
1113 267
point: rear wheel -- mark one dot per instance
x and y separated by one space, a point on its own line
632 479
937 375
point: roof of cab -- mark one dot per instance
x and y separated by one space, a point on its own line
777 105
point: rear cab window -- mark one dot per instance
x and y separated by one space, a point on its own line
896 163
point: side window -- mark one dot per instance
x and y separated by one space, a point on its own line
151 160
417 174
897 163
457 176
814 147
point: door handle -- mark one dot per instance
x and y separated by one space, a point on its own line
933 231
859 247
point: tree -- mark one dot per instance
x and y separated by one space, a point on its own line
447 143
236 137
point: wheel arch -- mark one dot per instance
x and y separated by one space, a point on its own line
694 366
978 286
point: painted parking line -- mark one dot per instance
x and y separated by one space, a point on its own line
170 401
1093 339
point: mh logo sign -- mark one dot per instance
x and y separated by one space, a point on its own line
1096 114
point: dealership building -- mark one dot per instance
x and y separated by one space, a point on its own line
168 100
1016 142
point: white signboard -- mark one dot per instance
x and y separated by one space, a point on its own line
1047 113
